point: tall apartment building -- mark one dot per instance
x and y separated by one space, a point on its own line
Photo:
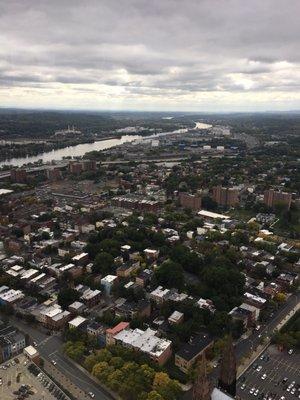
271 197
227 197
191 201
75 167
54 174
18 175
89 165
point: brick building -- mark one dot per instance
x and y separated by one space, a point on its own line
227 197
272 197
18 175
191 201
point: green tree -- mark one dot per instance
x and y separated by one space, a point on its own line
170 274
103 263
66 297
75 350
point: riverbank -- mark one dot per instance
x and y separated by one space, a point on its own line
78 150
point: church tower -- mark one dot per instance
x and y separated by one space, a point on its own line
227 379
202 387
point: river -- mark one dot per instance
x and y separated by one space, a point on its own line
70 151
80 149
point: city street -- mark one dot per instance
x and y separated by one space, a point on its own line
51 348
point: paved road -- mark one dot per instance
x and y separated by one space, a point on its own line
50 347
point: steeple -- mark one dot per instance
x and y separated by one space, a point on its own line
227 380
202 387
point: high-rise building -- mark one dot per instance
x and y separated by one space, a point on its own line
202 387
272 197
227 379
75 167
89 165
191 201
54 174
227 197
18 175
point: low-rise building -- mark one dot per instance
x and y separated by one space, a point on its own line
98 332
144 277
159 295
147 342
12 342
77 323
176 318
111 332
91 297
108 282
10 296
127 269
190 352
130 310
77 307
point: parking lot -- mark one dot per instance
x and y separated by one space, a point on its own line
19 383
273 375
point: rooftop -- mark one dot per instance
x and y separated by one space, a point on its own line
76 322
209 214
195 346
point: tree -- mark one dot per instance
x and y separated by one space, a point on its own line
110 246
190 261
154 395
170 274
219 324
45 235
66 297
169 389
102 370
116 362
103 263
75 350
280 297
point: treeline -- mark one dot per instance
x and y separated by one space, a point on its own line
37 124
289 335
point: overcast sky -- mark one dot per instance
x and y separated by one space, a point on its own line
197 55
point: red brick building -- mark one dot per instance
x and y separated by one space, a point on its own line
272 197
227 197
191 201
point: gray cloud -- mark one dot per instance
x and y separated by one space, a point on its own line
151 48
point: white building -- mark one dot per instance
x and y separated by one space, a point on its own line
158 349
108 282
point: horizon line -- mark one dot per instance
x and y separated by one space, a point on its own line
148 111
